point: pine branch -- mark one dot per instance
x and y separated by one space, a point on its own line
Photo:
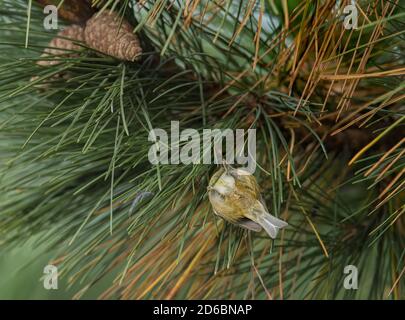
330 159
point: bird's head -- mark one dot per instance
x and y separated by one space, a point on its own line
222 182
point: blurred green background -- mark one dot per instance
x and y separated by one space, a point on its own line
21 271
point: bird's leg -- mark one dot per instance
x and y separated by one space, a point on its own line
226 166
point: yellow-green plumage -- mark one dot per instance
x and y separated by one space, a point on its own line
235 196
235 205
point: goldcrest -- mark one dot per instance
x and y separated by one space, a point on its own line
235 196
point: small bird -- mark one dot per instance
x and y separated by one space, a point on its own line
235 196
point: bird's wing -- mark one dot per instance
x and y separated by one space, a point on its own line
249 224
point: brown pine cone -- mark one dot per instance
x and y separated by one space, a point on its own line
106 33
61 45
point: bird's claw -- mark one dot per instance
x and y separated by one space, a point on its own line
225 165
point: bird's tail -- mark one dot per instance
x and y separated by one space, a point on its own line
271 224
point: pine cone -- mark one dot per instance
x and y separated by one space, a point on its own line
106 33
75 11
60 46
